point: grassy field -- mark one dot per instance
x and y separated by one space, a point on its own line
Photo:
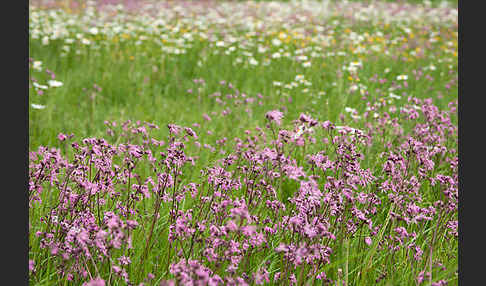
243 143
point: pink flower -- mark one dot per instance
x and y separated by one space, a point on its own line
368 240
274 115
95 282
206 117
231 225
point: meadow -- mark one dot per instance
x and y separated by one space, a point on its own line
243 143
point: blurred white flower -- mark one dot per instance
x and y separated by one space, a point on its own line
37 65
54 83
349 109
276 42
37 106
93 30
402 77
302 58
36 85
299 77
356 64
299 132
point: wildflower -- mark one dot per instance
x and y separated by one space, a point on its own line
95 282
37 106
350 110
37 65
402 77
368 240
276 42
253 62
299 132
93 30
321 276
124 260
299 77
206 117
40 86
302 58
54 83
274 115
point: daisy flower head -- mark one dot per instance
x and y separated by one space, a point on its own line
402 77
